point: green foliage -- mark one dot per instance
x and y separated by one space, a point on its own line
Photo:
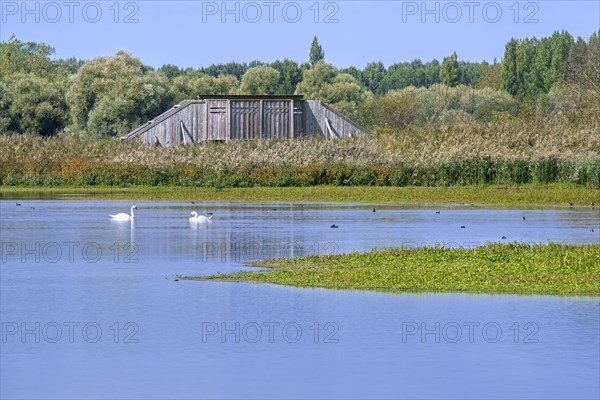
323 82
25 57
513 267
289 75
112 95
436 155
450 73
510 81
577 98
232 68
531 67
31 104
436 104
372 76
398 76
170 71
192 84
260 80
316 53
490 76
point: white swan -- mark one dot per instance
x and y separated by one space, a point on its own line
194 217
123 216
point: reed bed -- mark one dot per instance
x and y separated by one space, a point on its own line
435 155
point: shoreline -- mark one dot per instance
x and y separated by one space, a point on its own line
523 196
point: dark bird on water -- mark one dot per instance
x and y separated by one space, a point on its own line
592 230
437 212
462 227
334 226
570 204
374 210
523 218
18 204
503 237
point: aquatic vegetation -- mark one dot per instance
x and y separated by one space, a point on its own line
513 267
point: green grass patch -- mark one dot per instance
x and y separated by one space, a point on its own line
494 267
549 195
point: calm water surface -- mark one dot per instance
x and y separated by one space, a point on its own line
90 307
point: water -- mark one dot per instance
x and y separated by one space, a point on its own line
90 307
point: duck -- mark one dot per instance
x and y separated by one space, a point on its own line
194 217
124 216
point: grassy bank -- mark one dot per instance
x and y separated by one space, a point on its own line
516 268
551 195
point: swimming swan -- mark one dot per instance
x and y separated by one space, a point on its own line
123 216
194 217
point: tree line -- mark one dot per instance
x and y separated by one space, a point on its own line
557 76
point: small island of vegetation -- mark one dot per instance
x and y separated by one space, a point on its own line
494 267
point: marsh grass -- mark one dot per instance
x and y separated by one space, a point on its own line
502 153
494 267
522 196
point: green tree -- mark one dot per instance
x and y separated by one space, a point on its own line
450 72
490 76
531 67
342 91
577 98
260 80
112 95
193 84
31 104
289 75
510 81
315 80
231 68
372 76
316 52
27 57
170 71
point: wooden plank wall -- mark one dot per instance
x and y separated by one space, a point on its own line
316 115
244 119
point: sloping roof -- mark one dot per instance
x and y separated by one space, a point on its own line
153 122
251 97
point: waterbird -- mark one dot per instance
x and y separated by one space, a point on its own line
503 237
18 204
334 226
592 230
570 204
124 216
194 217
437 212
374 210
462 227
523 218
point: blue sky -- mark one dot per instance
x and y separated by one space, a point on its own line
199 33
